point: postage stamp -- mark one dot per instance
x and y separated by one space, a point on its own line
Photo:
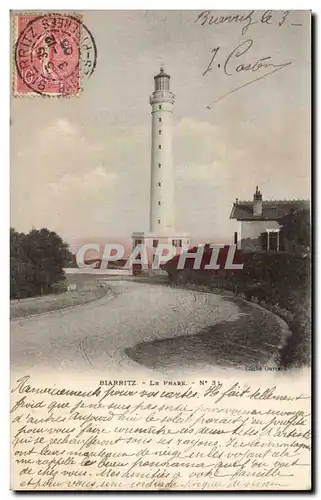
52 54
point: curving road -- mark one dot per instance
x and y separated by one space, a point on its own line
142 328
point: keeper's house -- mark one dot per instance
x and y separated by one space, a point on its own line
259 227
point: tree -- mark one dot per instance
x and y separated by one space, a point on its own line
37 261
21 268
296 230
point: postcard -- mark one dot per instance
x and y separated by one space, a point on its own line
160 250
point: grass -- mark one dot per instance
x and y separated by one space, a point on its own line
88 288
292 304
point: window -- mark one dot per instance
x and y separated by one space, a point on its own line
271 240
159 184
159 165
160 106
159 132
155 243
160 120
138 242
159 203
158 221
159 146
177 243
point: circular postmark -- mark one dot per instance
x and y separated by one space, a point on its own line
54 53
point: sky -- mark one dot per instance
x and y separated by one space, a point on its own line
81 165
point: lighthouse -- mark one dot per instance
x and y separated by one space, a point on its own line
162 176
161 201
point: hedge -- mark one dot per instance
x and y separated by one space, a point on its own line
279 281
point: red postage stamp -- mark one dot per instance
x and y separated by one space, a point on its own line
52 54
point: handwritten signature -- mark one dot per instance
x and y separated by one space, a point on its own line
233 65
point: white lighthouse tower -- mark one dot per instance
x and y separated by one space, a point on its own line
162 216
162 176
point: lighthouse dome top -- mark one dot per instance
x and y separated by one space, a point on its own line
162 81
162 73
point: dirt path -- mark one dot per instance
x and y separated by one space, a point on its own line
146 328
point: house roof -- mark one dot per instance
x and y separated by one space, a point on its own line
272 209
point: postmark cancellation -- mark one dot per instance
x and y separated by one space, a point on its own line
53 54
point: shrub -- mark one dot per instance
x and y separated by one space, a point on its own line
37 260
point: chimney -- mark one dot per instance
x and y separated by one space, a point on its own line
257 202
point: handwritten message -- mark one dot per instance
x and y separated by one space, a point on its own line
246 61
158 436
245 21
